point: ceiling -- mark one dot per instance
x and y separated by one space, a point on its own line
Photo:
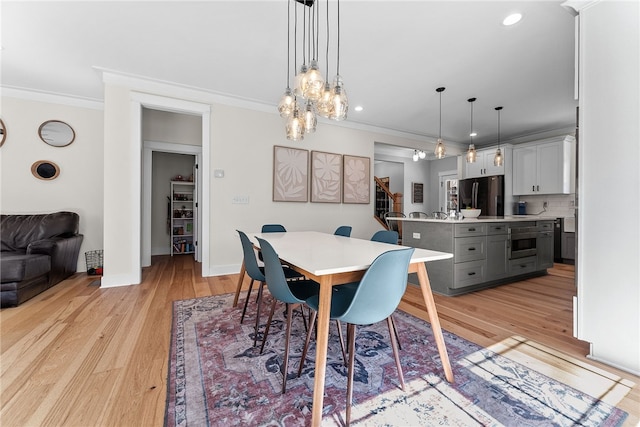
393 56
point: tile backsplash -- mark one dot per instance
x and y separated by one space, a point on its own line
558 205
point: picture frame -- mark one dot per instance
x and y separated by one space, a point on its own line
326 177
290 174
356 182
417 192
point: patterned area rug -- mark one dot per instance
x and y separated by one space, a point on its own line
216 377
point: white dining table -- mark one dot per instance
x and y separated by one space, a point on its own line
333 260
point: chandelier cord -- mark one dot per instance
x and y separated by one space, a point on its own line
327 50
288 40
338 47
295 36
304 37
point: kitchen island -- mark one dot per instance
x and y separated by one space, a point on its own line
488 251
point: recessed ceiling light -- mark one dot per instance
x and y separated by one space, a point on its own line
473 134
358 108
514 18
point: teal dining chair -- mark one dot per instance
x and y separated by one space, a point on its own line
292 293
385 236
273 228
343 230
256 273
372 300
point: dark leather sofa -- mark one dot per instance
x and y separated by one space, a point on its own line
37 252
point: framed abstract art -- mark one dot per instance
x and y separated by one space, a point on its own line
290 174
326 177
356 179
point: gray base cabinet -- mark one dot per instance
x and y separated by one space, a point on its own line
480 254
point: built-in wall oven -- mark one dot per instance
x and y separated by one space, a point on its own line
522 240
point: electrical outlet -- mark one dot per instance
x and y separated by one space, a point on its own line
416 235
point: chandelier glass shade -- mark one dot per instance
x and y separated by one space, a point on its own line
317 96
286 104
295 126
309 118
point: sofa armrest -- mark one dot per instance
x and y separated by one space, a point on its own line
63 252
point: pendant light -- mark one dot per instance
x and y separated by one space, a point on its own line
286 104
440 150
309 118
471 153
498 159
324 106
295 126
313 82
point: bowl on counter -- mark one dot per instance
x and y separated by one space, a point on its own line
470 213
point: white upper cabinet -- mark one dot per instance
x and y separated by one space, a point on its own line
483 166
543 167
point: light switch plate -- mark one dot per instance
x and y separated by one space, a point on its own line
416 235
240 200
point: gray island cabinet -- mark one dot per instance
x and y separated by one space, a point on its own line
483 254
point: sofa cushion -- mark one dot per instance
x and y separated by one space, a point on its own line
17 231
16 267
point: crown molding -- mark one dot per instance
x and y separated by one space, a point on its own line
50 97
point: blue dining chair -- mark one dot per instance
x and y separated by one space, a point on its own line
343 230
273 228
256 273
385 236
375 298
292 293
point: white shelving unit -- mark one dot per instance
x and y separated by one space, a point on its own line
183 218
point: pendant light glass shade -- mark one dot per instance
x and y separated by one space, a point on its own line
471 153
339 101
415 156
313 83
300 80
287 103
295 126
309 118
422 154
498 159
440 151
324 104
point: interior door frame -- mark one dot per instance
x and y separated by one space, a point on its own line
139 101
442 193
149 147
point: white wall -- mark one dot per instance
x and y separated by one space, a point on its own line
78 188
165 126
433 191
609 186
242 143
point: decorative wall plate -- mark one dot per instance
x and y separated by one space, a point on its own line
45 170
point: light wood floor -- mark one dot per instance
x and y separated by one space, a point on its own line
79 355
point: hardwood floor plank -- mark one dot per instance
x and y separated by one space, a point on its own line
80 355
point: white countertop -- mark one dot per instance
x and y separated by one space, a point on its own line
512 218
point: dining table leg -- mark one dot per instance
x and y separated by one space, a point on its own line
322 341
239 286
430 303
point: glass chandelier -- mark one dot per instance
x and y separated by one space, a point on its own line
316 95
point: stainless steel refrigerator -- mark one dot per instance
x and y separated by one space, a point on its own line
486 193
